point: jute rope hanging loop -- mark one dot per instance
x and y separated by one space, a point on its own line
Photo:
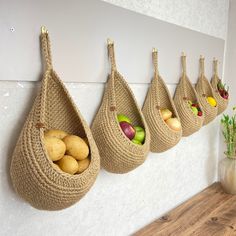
118 153
158 97
184 94
204 90
33 174
215 80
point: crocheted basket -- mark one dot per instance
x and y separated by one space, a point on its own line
118 154
204 90
185 91
221 102
33 175
158 97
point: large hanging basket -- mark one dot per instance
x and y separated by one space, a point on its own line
204 90
158 97
118 153
33 174
222 102
184 93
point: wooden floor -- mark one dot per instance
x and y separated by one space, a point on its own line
211 212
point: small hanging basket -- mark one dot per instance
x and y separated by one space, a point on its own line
158 97
204 91
33 174
185 93
118 153
221 101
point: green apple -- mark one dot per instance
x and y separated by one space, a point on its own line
139 134
136 141
122 117
194 110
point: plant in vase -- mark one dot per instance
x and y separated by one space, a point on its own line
227 167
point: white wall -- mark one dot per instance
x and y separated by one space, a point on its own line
117 204
230 62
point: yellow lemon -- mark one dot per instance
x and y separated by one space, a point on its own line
211 101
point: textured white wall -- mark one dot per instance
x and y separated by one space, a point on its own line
117 204
206 16
230 62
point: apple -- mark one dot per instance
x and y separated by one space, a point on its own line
166 114
174 124
199 113
194 110
122 117
136 142
128 129
139 134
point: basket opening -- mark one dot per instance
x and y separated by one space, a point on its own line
125 103
59 111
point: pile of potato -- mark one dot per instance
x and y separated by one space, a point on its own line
68 152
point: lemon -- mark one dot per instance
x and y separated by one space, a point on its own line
211 101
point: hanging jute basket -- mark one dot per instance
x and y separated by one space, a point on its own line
184 93
222 102
35 178
158 98
204 90
118 153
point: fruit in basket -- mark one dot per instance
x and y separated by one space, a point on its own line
83 165
211 101
56 133
139 134
166 114
136 142
122 117
55 147
68 164
76 147
128 129
199 113
174 124
224 93
194 110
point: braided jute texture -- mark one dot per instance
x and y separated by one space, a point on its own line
185 91
204 90
33 176
221 102
118 154
158 97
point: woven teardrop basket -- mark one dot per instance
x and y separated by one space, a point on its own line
204 90
33 174
158 97
185 92
221 102
118 154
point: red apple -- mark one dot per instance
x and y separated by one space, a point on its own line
128 129
199 113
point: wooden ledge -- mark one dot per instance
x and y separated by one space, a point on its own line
211 212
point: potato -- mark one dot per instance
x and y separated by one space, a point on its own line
76 147
83 165
68 164
55 148
56 133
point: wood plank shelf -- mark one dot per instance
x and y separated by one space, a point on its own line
211 212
